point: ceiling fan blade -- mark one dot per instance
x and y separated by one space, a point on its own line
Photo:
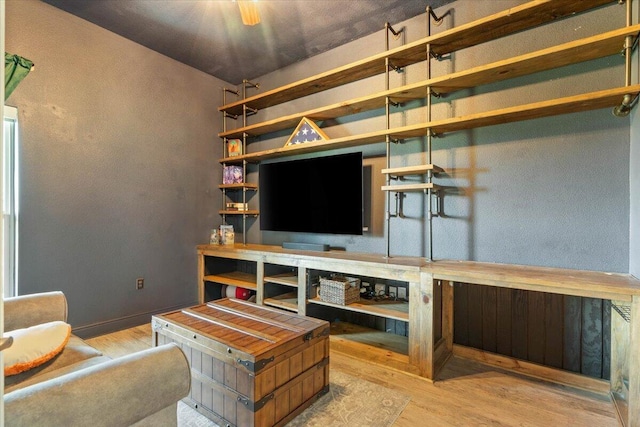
249 12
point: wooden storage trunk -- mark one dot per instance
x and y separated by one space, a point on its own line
250 365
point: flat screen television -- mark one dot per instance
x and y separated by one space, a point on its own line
316 195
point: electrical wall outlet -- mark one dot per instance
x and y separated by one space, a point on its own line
393 291
139 283
402 293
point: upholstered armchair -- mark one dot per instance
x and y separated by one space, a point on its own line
81 387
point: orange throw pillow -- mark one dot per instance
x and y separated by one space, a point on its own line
34 346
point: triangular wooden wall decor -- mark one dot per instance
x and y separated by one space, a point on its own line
306 131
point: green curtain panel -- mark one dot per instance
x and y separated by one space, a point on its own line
16 68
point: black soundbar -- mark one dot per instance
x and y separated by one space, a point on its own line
306 246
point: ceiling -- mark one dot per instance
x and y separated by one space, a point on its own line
209 34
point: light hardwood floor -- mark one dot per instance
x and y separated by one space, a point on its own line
466 393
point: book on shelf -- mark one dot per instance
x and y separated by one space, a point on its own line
234 147
232 175
237 206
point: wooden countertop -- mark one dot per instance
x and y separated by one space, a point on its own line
594 284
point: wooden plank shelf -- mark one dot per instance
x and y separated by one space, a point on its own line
607 98
492 27
411 188
591 284
288 301
229 212
586 49
234 278
375 346
240 186
412 170
397 310
286 279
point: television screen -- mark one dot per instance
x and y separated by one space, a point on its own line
317 195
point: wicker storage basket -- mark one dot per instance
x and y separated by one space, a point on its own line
340 290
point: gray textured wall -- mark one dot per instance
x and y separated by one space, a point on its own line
118 168
549 192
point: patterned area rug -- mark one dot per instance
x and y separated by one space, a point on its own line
350 402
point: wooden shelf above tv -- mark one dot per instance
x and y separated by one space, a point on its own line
498 25
586 49
608 98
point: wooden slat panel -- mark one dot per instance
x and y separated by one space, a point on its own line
592 337
389 326
503 320
461 314
519 330
535 326
606 339
400 328
572 337
229 404
475 315
553 325
489 319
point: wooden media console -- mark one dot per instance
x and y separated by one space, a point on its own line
281 279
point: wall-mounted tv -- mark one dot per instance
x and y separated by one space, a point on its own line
315 195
